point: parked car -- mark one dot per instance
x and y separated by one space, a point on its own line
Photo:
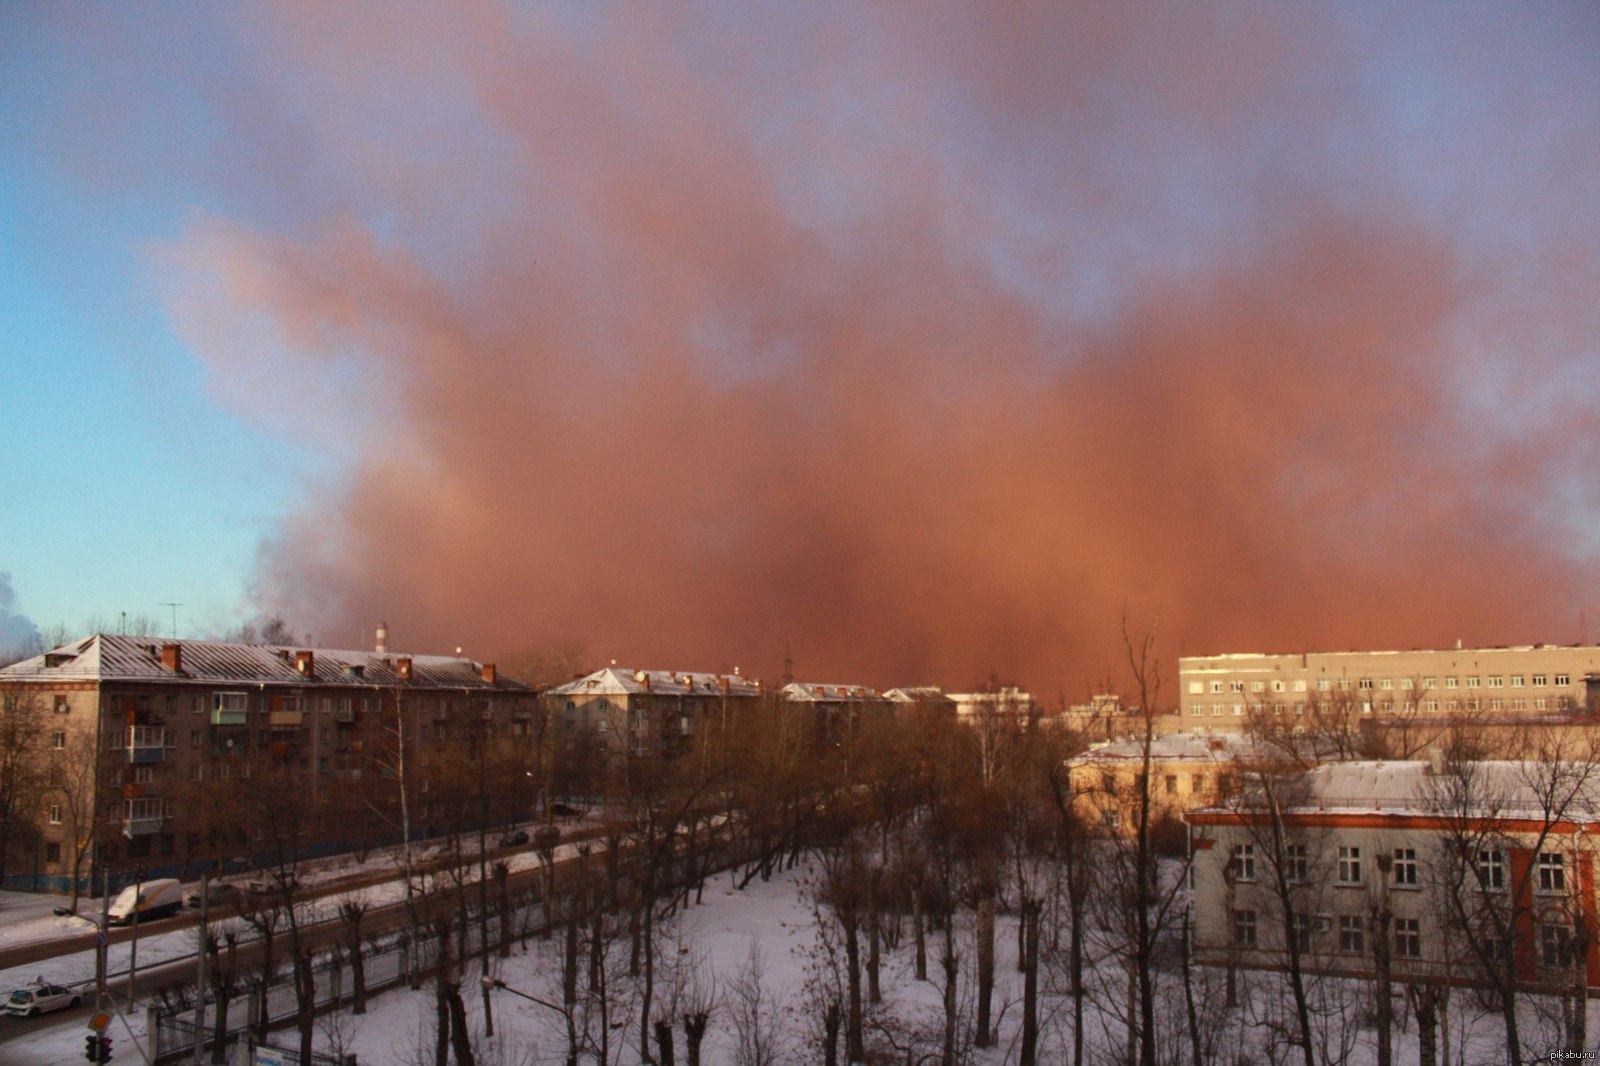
217 893
270 886
514 839
41 999
566 810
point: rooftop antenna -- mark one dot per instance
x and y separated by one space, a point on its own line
174 606
788 665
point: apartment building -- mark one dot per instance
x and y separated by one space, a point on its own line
145 745
1216 692
1433 873
644 713
1187 771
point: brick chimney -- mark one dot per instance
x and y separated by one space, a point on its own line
172 657
488 672
305 663
381 645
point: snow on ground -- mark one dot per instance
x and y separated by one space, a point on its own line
713 944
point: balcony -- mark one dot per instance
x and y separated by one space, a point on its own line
146 744
141 817
134 790
344 715
222 717
286 719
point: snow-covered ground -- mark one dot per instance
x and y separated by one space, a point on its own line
769 931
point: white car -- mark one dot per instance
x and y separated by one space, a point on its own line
41 999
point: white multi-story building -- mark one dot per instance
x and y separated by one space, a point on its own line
1216 692
1434 872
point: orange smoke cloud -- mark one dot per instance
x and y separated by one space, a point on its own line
930 355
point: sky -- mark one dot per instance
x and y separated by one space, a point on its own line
932 342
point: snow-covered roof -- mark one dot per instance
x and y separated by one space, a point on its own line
917 694
1488 789
619 681
812 692
108 657
1171 747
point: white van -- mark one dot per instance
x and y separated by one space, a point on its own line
146 902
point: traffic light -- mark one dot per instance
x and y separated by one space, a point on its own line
91 1048
105 1049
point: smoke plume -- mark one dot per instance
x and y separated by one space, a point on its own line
933 340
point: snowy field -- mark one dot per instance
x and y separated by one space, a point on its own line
752 953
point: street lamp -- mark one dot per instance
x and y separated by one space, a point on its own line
495 982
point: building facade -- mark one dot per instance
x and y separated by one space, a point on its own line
1217 692
1472 876
643 713
160 754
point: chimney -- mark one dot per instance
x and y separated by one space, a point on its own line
305 663
172 657
382 647
725 682
488 672
402 667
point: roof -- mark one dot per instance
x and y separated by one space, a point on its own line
619 681
1490 789
917 694
812 692
106 657
1171 747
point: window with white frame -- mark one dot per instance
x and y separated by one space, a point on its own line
1496 681
1408 938
1257 686
1452 682
1244 928
1323 684
1277 686
1302 926
1216 686
1473 682
1540 680
1349 865
1517 680
1299 684
1430 682
1365 684
1296 863
1552 871
1555 945
1492 869
1405 867
58 739
1563 679
1352 935
1386 684
55 814
1196 687
1244 862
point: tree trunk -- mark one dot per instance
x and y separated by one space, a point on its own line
919 928
460 1038
830 1034
665 1055
874 993
569 964
1030 984
948 1057
1425 1004
855 1042
984 1037
1188 996
694 1031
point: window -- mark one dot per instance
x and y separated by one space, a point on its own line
1110 819
1491 870
1430 705
1238 709
1472 682
1235 686
1197 783
1555 945
1349 866
1451 682
1344 684
1408 938
1517 680
194 738
1244 928
1322 684
1430 682
1552 872
1301 923
58 739
52 853
1540 680
1408 683
1172 784
1257 686
1198 708
1405 867
1277 686
1196 687
55 814
1108 783
197 772
62 706
1296 863
144 775
1563 679
1365 684
1299 684
1216 686
1244 862
1216 710
1496 681
1352 935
